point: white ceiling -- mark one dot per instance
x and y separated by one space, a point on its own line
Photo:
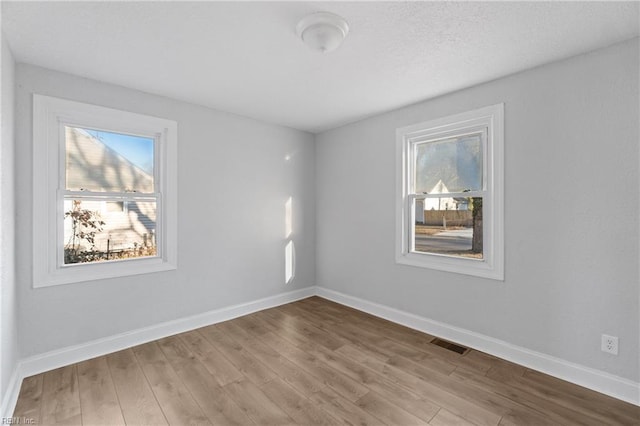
245 58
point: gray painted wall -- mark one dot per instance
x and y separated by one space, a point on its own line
8 308
233 183
571 215
571 267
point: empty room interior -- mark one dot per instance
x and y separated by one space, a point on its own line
263 213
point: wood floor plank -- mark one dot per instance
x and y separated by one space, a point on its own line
344 410
253 325
278 328
286 370
205 389
61 397
178 405
309 330
347 332
399 338
497 368
395 394
525 409
443 397
600 406
243 361
395 334
387 412
346 315
215 362
294 327
137 401
345 386
256 404
309 362
98 399
29 404
447 418
423 368
299 408
296 331
373 336
492 405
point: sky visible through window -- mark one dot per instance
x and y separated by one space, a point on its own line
138 150
456 162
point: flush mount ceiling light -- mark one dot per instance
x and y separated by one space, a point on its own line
322 31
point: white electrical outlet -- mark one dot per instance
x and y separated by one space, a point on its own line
610 344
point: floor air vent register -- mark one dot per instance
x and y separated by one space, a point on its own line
450 346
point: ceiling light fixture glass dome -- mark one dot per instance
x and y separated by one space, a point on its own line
322 31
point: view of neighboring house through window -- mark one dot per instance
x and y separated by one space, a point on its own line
104 192
104 171
447 220
450 193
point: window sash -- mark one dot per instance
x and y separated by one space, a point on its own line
88 195
70 195
411 176
448 195
411 229
62 151
413 141
108 196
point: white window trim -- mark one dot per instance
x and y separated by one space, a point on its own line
49 114
492 264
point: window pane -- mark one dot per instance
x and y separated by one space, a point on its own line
105 161
115 206
95 232
450 165
450 231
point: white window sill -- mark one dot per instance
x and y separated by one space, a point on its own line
476 267
97 271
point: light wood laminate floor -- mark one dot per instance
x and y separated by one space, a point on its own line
306 363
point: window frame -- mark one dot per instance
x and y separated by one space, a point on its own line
50 116
490 118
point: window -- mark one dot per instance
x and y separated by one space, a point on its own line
104 192
450 194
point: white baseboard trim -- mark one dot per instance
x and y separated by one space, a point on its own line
11 395
70 355
59 358
599 381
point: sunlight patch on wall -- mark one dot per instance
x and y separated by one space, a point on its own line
289 262
288 218
289 249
